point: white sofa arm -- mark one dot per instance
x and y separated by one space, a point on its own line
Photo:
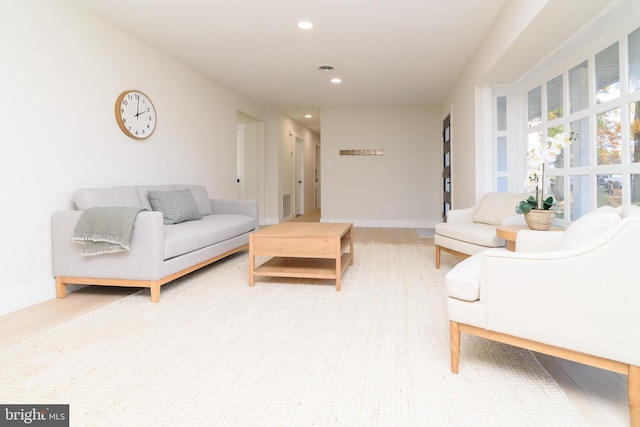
461 215
142 262
583 299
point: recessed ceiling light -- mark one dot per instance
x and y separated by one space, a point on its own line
305 25
308 116
336 80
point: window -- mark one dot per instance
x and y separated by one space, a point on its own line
608 74
634 60
578 87
503 153
579 149
534 101
608 137
554 98
634 131
601 107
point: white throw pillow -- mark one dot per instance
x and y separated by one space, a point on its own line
589 227
495 207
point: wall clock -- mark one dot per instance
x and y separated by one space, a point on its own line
135 114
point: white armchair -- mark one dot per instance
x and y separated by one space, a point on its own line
471 230
573 294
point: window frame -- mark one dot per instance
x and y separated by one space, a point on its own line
520 128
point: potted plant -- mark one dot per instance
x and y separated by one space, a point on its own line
536 208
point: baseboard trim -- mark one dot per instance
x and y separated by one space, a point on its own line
382 223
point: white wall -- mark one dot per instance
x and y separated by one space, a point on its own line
465 103
407 178
62 70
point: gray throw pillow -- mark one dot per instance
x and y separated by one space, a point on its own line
176 206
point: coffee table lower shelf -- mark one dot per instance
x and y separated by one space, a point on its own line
307 268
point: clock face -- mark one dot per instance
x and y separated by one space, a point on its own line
135 114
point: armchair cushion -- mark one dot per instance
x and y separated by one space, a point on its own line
463 281
477 234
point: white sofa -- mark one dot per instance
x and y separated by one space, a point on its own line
159 252
572 294
471 230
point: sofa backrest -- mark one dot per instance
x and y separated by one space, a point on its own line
110 196
136 196
495 207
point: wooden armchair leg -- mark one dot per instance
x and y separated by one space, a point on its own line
454 335
437 256
634 395
61 288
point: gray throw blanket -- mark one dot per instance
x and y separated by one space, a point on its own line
105 230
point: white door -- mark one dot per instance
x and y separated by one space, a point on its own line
240 161
316 187
298 182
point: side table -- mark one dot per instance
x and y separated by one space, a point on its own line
510 232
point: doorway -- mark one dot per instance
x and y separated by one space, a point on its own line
446 167
317 190
298 181
241 161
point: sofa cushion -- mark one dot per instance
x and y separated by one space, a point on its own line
495 207
463 281
589 226
199 193
470 232
193 235
109 196
176 206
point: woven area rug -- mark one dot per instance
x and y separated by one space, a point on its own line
215 352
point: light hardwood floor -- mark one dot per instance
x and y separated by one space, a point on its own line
601 396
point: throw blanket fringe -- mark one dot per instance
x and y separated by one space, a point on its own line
105 230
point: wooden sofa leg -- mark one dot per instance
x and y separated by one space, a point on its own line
634 395
61 288
454 335
155 292
437 256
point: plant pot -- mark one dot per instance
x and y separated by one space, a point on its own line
539 219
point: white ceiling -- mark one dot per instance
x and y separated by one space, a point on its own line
400 52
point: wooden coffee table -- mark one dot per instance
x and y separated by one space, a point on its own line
302 249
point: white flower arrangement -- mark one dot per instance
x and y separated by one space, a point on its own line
544 153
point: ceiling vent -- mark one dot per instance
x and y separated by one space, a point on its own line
326 68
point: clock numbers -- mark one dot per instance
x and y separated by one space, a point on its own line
135 114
